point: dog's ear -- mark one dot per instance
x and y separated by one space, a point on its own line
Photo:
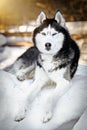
60 19
40 18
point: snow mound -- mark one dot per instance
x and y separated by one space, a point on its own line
69 107
3 40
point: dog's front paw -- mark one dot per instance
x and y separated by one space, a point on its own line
21 76
20 116
47 116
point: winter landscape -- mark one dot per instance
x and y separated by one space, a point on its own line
13 43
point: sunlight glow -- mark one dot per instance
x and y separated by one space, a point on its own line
22 28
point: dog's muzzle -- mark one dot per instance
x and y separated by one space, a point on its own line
48 46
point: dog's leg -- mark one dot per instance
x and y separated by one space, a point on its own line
61 88
31 92
21 74
40 79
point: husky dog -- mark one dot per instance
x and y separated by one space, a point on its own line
57 60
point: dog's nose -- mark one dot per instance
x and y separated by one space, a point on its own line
48 46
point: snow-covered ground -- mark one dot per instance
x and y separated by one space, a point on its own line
11 93
73 103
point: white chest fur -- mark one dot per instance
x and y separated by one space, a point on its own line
49 67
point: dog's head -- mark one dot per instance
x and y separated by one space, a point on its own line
49 34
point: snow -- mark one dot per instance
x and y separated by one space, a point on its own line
3 40
82 123
72 104
79 27
13 39
12 91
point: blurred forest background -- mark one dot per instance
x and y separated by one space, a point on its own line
21 11
17 21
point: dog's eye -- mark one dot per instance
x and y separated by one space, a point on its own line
43 33
54 34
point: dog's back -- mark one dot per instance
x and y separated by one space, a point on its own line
27 60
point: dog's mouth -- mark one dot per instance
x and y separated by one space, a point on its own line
48 49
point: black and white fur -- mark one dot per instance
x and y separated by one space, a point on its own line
23 67
57 60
